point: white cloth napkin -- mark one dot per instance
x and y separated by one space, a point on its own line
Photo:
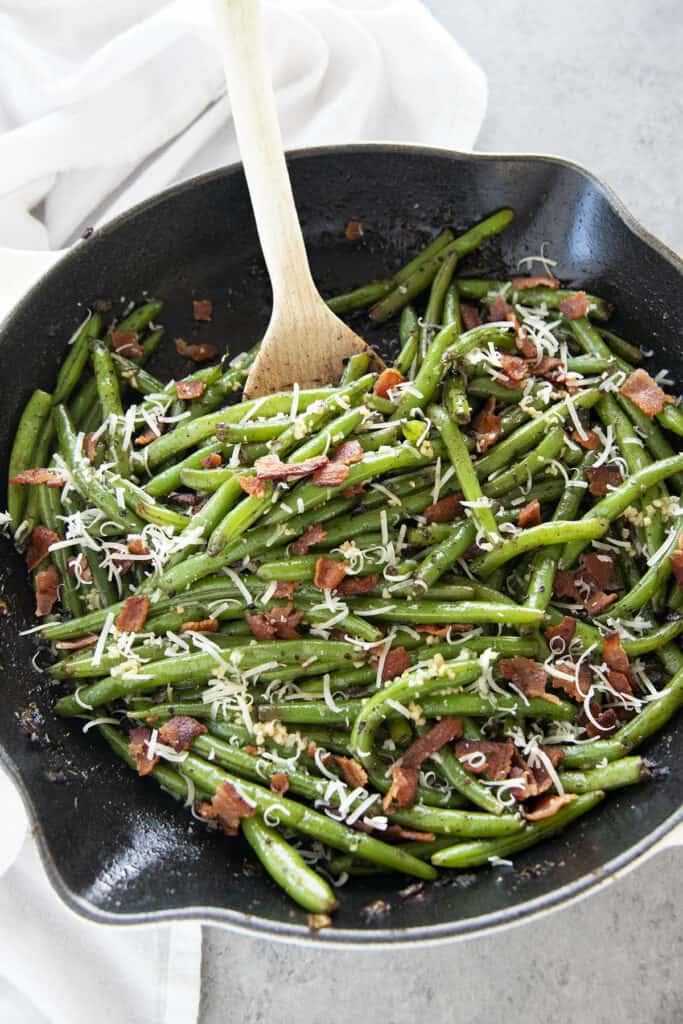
102 105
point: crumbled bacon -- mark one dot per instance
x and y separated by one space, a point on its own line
39 476
228 807
285 588
387 380
353 491
470 316
529 677
281 622
487 426
279 783
445 730
645 393
90 442
521 284
676 561
576 688
598 601
252 486
499 310
590 440
197 353
138 747
395 663
399 834
602 479
498 757
269 467
348 453
189 389
353 230
89 640
125 343
515 369
530 515
332 474
616 659
549 367
353 774
548 806
212 461
603 723
403 788
565 630
315 534
200 626
181 731
581 586
328 573
602 569
523 342
133 614
202 309
575 306
188 498
260 625
137 546
78 566
39 545
150 434
443 511
353 586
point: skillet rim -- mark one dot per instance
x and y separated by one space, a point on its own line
252 924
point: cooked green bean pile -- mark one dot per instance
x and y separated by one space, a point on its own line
419 619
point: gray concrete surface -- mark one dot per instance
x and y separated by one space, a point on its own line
598 82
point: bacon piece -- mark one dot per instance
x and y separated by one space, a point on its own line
200 626
89 640
530 515
575 306
39 545
353 491
443 511
523 342
499 310
252 486
403 788
353 774
601 479
228 807
137 546
279 783
138 747
269 467
438 736
133 615
602 569
590 441
575 688
565 630
515 369
470 316
125 343
189 389
598 602
260 625
547 367
348 453
78 566
616 659
607 721
527 676
285 621
395 663
285 588
332 474
90 442
387 380
521 284
487 426
315 534
39 476
328 573
190 499
498 757
197 353
645 393
548 806
399 834
676 560
149 434
212 461
353 230
353 586
181 731
542 779
202 309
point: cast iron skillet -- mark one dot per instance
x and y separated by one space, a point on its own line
117 848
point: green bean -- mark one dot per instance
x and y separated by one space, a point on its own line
652 434
551 533
33 421
478 289
360 298
527 467
465 783
472 854
425 611
626 771
50 511
286 867
651 581
621 348
437 295
76 360
355 368
442 557
408 334
141 317
484 707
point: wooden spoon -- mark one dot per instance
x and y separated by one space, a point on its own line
305 343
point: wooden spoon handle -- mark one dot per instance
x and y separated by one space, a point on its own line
258 134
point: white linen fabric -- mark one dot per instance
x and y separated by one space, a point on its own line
102 105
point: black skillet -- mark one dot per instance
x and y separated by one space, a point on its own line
117 848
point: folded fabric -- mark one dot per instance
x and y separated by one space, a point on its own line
104 105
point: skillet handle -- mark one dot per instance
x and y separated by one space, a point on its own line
19 270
